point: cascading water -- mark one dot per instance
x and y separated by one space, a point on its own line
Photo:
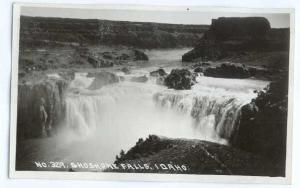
115 116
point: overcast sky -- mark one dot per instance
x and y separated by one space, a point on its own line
176 17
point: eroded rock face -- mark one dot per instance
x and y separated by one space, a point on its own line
179 79
29 119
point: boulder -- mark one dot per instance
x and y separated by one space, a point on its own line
179 79
126 70
140 56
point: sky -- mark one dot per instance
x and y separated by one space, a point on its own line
185 16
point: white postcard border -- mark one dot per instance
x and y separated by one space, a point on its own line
112 176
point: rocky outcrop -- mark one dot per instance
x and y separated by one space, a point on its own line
227 70
228 37
102 79
263 125
78 57
199 157
179 79
56 32
40 104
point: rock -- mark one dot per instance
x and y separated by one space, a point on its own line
107 55
198 69
126 70
228 70
262 127
123 57
139 55
139 79
94 62
106 63
102 79
249 110
158 72
226 28
179 79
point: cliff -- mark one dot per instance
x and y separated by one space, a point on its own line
262 128
40 101
52 32
238 37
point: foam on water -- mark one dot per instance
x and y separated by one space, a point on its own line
116 116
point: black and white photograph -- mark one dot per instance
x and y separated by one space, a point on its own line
181 93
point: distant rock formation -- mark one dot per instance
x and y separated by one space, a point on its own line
53 32
230 36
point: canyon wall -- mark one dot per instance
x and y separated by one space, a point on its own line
41 31
40 102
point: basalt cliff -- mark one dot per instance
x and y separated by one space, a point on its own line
240 40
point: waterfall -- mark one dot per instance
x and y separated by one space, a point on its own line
208 111
115 116
213 118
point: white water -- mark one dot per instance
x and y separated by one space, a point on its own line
100 123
